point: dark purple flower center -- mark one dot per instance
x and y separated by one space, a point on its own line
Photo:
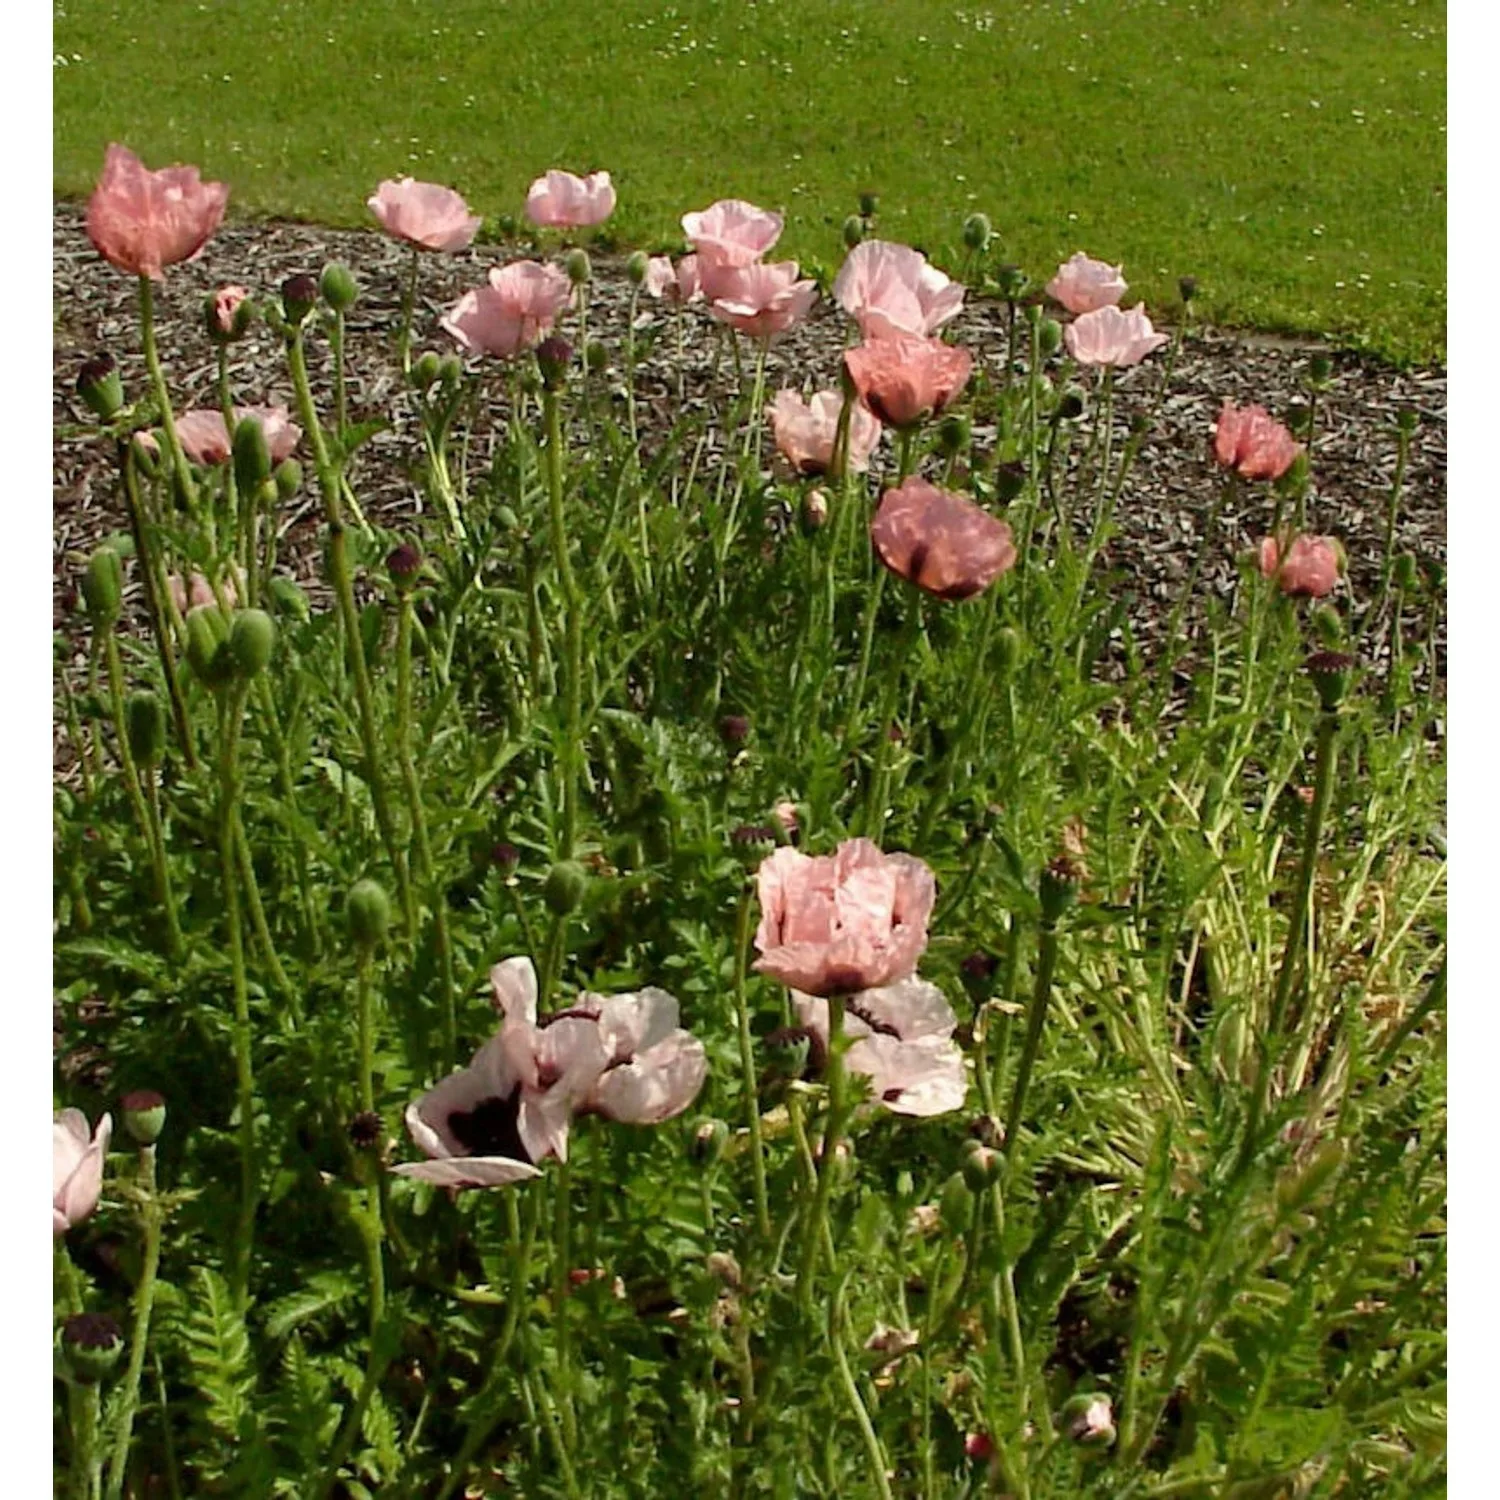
883 1028
491 1128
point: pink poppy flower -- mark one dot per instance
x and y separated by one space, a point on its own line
902 1041
654 1070
731 233
677 283
904 379
941 542
843 922
888 289
1309 568
1250 441
199 591
761 300
144 221
77 1167
1084 286
207 441
515 312
424 214
226 303
806 432
562 201
1111 337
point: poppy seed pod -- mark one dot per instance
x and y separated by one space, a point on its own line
100 388
578 267
1330 672
564 888
252 456
553 355
977 231
368 911
91 1346
854 231
145 1114
252 640
145 726
102 583
299 295
340 289
208 645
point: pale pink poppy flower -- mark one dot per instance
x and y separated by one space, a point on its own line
806 431
1108 336
226 303
843 922
424 214
677 283
761 300
142 221
731 233
902 1041
904 379
888 289
654 1070
1084 286
515 312
1250 441
943 543
1309 568
561 200
207 441
198 591
77 1167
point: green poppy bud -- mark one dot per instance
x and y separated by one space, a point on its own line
450 370
576 264
710 1136
789 1050
1011 281
981 1166
596 356
103 580
1049 336
977 231
1010 480
1319 369
368 910
91 1346
288 477
404 564
1008 648
145 1113
854 231
1070 404
288 598
635 268
953 434
868 204
145 727
1406 572
208 645
252 640
553 356
956 1205
100 388
1187 287
564 887
1408 419
340 289
1089 1420
252 456
1058 888
424 370
299 295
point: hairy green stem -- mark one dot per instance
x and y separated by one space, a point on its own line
1035 1018
573 607
747 1062
857 1409
833 1126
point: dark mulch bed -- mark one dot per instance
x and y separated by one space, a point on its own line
1161 511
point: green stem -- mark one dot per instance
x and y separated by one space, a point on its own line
747 1062
1035 1018
83 1470
1210 535
816 1219
861 1416
1403 444
561 1184
573 606
408 306
875 809
159 854
251 888
175 455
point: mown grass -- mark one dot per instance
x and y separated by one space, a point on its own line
1290 154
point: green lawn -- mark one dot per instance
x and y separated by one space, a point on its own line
1290 153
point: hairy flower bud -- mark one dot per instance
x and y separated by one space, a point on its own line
1049 335
365 1130
1187 287
710 1136
596 355
102 583
404 564
252 640
145 727
956 1205
577 265
100 388
734 730
977 231
812 514
553 356
564 888
424 370
368 910
1011 281
854 231
208 645
299 295
1406 572
340 289
635 268
869 203
953 434
1070 404
289 599
1058 888
1319 370
145 1113
981 1165
1089 1420
252 456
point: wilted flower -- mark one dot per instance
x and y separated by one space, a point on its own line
144 221
902 1042
677 283
888 289
731 233
761 300
77 1167
424 214
1308 568
1084 286
561 200
838 923
806 431
904 379
1250 441
941 542
513 313
1111 337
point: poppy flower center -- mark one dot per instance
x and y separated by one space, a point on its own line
491 1128
882 1028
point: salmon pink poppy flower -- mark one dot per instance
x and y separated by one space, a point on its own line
943 543
1309 568
1110 337
1084 286
77 1167
424 214
904 379
1250 441
888 288
207 441
145 221
226 306
731 233
806 432
761 300
561 200
902 1041
513 313
834 924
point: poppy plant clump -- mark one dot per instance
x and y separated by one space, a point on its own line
695 942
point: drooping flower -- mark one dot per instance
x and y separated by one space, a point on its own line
888 289
761 300
1309 568
1250 441
561 200
677 283
143 222
943 543
1083 285
806 431
424 214
902 1041
843 922
513 313
904 379
731 233
1108 336
207 441
77 1167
